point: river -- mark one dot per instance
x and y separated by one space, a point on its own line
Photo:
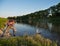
46 30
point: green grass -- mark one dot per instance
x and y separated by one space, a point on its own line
36 40
2 22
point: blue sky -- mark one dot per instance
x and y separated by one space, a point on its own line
22 7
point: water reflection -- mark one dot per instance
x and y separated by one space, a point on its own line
56 28
49 26
48 30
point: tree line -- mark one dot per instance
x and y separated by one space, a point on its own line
52 14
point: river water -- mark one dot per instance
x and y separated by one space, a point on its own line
46 30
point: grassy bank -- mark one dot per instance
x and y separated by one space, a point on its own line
36 40
2 22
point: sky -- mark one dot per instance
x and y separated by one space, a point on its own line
10 8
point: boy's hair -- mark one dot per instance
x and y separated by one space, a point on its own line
11 20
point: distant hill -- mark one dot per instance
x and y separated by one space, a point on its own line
52 12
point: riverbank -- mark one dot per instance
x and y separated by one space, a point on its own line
2 22
36 40
2 25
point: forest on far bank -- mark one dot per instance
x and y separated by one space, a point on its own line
51 14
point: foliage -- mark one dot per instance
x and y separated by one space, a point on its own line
36 40
2 22
40 16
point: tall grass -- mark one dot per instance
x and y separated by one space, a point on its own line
36 40
2 22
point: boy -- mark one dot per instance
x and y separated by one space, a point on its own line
10 25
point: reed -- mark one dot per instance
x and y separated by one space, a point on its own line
36 40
